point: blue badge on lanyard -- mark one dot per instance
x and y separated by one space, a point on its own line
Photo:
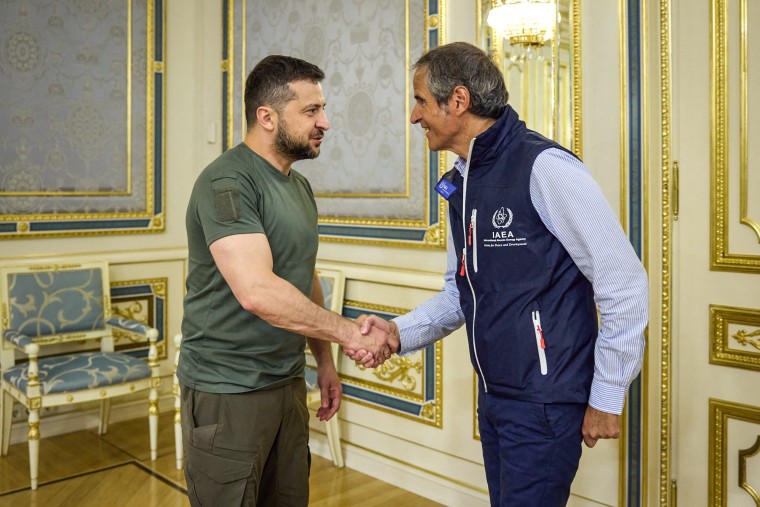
445 188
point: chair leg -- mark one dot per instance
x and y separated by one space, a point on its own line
153 422
178 448
333 441
6 420
105 415
34 446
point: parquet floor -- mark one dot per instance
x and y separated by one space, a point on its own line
84 470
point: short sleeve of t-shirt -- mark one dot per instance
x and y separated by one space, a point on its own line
229 205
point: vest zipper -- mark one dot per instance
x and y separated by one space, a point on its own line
540 343
466 271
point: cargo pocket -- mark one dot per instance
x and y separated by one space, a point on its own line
216 480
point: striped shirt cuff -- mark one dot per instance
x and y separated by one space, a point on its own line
608 398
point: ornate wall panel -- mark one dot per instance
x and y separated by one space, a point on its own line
143 301
734 443
375 178
81 118
735 337
735 76
409 386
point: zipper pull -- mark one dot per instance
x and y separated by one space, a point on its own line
469 234
541 333
461 271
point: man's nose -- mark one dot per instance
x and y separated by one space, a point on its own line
323 123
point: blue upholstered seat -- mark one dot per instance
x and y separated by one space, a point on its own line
75 372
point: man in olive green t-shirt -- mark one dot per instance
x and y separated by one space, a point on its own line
253 297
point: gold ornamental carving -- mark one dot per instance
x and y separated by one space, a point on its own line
397 369
745 338
721 353
721 412
34 431
721 258
666 258
744 456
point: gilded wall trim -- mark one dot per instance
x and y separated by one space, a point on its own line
721 339
397 390
575 23
720 413
667 255
744 456
721 258
744 217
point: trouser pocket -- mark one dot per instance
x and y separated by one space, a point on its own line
215 480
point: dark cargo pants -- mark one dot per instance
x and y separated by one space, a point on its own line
246 449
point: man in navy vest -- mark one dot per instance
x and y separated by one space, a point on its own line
533 251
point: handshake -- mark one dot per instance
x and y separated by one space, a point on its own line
377 340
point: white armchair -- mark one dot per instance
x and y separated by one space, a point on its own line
43 305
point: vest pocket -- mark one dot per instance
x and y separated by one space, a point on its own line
473 238
540 342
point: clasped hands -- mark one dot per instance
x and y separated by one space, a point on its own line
379 340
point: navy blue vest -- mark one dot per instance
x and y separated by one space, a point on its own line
530 313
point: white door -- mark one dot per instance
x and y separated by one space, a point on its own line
715 381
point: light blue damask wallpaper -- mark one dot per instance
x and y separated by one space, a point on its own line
76 109
371 164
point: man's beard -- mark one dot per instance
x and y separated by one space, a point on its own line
289 146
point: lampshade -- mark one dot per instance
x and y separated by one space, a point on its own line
524 22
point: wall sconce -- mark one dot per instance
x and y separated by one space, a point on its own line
526 24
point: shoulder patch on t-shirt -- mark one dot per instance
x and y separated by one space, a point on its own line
227 204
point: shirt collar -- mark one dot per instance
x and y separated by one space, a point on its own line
460 165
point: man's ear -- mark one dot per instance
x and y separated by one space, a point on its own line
459 102
265 116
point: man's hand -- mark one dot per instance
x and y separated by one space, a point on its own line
330 390
598 424
372 324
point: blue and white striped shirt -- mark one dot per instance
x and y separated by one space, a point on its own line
574 210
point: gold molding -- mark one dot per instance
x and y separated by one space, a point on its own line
667 255
721 259
744 455
577 90
720 412
720 353
623 80
431 410
744 217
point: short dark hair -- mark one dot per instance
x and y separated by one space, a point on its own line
267 84
462 64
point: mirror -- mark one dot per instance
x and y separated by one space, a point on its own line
543 80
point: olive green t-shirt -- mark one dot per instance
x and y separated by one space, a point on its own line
226 349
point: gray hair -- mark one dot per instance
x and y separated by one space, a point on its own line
462 64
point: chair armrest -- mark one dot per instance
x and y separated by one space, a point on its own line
133 326
21 341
